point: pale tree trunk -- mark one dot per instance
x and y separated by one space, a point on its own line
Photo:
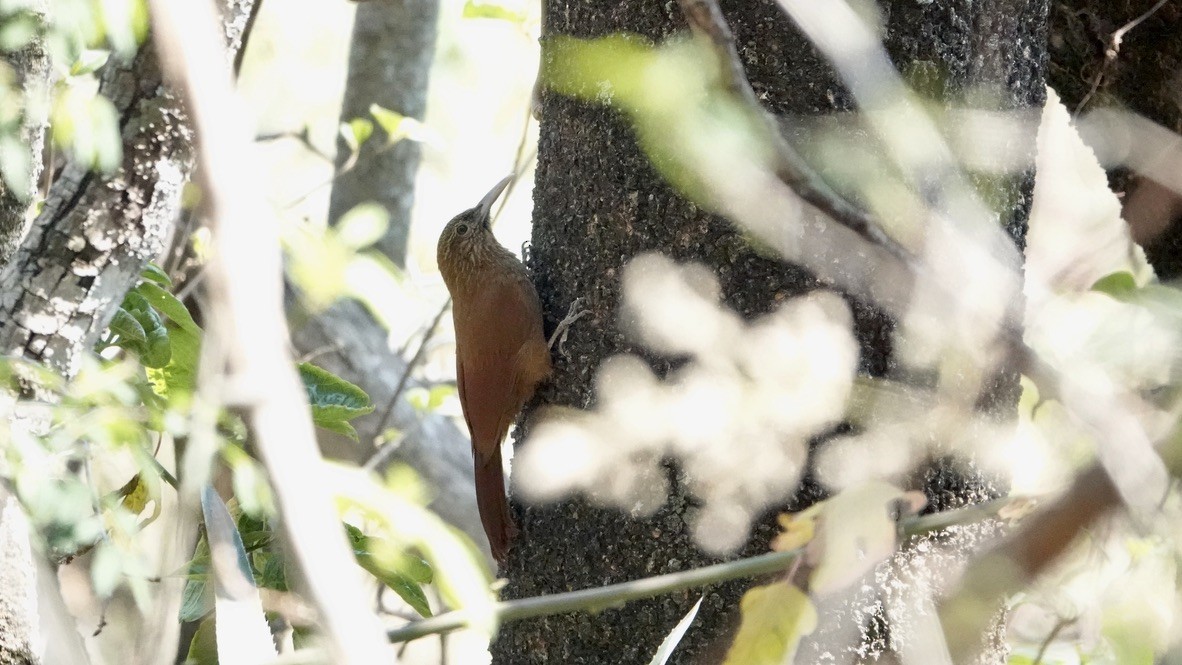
72 267
598 203
389 65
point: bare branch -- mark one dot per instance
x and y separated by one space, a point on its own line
245 281
707 21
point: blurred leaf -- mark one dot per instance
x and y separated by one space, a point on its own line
403 576
106 568
89 61
1117 284
669 644
108 144
774 619
18 30
203 649
356 132
426 400
333 399
362 226
798 528
398 126
459 574
168 305
491 10
250 484
156 274
16 165
855 532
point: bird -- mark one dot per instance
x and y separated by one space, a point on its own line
501 351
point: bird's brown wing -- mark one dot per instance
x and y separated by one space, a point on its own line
500 356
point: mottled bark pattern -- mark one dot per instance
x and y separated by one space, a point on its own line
598 203
96 232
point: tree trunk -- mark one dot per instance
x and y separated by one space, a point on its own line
389 64
598 203
85 249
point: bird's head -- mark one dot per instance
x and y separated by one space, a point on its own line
467 238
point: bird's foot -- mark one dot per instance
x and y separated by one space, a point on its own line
573 314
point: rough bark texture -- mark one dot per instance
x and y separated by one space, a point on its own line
389 63
598 203
96 232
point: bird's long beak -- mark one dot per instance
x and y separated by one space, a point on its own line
484 208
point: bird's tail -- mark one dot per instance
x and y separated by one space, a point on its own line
494 505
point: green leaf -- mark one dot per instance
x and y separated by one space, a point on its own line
168 305
106 569
274 572
179 376
398 126
340 427
333 399
403 572
156 274
157 349
356 132
490 10
774 619
669 644
197 598
1117 284
363 225
203 649
128 329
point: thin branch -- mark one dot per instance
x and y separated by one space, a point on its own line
245 287
1113 50
706 21
247 31
410 367
600 598
1046 643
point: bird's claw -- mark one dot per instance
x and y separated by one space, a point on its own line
572 314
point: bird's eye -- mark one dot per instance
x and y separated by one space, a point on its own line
462 229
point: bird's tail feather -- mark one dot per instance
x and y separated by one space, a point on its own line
494 505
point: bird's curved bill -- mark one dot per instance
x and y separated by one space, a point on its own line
484 208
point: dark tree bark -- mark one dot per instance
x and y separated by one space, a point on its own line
598 203
389 63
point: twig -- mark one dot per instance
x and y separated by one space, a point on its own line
1046 643
1113 50
410 367
247 31
302 136
245 287
707 21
